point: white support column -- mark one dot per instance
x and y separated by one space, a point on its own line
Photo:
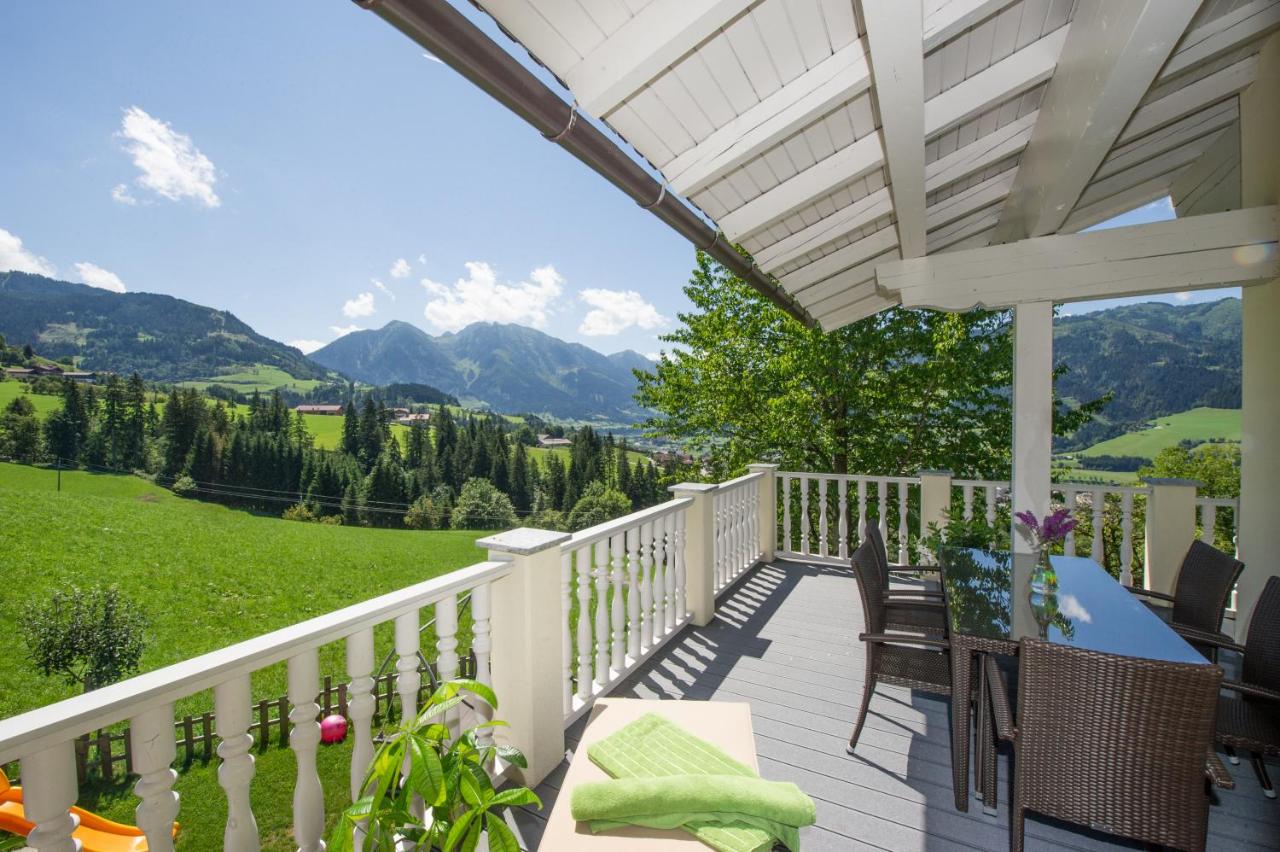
1171 527
699 550
935 499
49 790
1032 412
1259 538
768 509
526 671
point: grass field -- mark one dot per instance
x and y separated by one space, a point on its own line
45 405
259 377
1198 424
207 576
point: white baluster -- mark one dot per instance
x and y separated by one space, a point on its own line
584 621
968 502
862 511
717 539
842 526
617 616
408 681
232 704
753 519
1126 538
786 513
1208 521
599 553
481 646
903 556
740 530
304 738
661 603
49 790
646 586
671 613
447 651
1099 503
151 739
1069 543
822 517
361 705
566 634
633 594
804 515
681 610
991 505
882 507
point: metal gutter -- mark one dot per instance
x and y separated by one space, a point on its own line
448 35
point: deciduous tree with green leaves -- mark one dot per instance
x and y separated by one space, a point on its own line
88 637
891 394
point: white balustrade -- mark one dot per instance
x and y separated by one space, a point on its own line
447 648
566 634
43 740
232 705
786 512
903 558
1099 501
842 529
825 534
637 563
1126 538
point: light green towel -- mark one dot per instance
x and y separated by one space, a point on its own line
677 801
652 747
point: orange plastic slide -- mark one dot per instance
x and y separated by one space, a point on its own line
95 833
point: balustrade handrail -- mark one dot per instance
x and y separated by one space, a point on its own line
1228 502
599 532
740 480
36 730
849 477
1083 487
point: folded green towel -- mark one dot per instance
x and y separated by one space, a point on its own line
677 801
652 747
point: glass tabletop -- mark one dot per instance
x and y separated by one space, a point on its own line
989 596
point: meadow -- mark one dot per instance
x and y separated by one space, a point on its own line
259 377
1198 424
206 576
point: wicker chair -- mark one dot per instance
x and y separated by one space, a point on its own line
916 662
1200 597
1118 744
911 610
1250 718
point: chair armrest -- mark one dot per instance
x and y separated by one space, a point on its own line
915 569
916 593
1204 637
1216 771
1251 689
1147 593
903 639
999 692
899 600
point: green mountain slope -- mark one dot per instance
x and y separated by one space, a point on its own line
1157 359
161 337
507 367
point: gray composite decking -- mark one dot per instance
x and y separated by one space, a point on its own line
785 640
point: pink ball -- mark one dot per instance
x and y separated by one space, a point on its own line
333 729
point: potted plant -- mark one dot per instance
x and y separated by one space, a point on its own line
429 790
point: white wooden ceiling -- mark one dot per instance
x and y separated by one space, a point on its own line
827 136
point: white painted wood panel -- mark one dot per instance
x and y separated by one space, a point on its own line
1191 98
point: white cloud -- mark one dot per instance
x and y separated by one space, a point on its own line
432 57
121 193
617 310
384 288
169 161
481 297
653 356
306 346
15 258
400 269
96 276
360 306
422 258
343 330
1182 297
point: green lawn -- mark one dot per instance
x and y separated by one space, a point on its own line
1104 477
259 377
44 404
1198 424
207 576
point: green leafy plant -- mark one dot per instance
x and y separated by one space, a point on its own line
958 532
446 774
89 637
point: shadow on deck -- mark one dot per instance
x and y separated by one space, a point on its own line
785 639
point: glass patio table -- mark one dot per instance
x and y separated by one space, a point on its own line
990 606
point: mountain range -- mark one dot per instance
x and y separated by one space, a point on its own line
1156 358
510 368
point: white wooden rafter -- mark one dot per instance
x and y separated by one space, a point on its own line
1222 35
1238 246
1212 183
1113 53
1201 94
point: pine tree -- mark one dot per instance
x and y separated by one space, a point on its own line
350 429
520 490
622 476
351 504
556 485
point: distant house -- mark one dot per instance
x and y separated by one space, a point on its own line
331 410
79 375
397 413
422 419
666 457
46 370
548 441
19 372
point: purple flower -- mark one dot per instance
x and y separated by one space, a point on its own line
1054 527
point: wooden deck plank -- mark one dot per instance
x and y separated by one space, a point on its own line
785 641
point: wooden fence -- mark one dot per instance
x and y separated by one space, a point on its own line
111 753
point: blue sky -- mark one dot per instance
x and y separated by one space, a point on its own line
307 167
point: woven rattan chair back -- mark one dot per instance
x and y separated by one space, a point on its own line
1114 743
1262 645
878 551
1204 585
872 585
